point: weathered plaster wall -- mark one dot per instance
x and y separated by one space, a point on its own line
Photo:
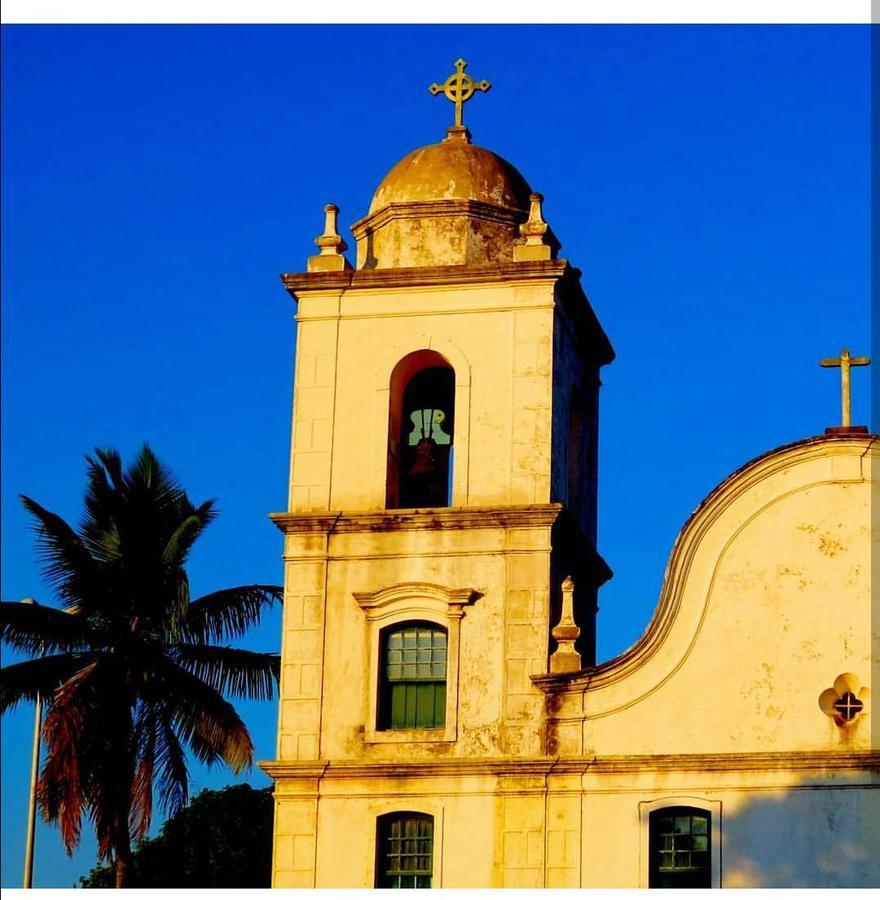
498 338
328 673
545 827
455 238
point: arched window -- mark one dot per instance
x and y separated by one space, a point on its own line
421 422
679 848
412 676
404 850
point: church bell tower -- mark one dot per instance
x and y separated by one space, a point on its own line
442 511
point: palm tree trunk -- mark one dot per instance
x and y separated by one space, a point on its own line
123 861
122 845
120 827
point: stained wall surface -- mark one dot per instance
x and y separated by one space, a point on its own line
767 600
496 336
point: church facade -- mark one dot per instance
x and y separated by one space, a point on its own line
443 721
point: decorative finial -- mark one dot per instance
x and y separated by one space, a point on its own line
536 241
566 658
330 259
459 88
845 362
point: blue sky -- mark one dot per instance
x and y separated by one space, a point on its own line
711 182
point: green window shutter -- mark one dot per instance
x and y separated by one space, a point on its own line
412 692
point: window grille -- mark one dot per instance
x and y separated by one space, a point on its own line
680 848
404 850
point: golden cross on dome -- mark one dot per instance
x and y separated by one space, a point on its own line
844 362
459 88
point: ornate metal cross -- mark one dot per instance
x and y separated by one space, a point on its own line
459 88
845 361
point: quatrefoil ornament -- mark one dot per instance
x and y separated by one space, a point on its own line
846 701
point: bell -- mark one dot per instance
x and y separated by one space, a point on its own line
425 463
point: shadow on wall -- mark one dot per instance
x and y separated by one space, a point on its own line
804 836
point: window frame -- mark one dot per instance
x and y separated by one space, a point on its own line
710 807
384 711
384 822
413 602
380 806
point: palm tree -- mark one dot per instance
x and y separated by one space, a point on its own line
134 670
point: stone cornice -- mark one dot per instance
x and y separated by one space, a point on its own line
422 276
857 760
569 293
473 209
309 769
534 516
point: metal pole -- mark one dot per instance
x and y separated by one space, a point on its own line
32 803
32 800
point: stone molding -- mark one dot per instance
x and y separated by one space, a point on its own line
304 768
532 516
418 276
569 294
373 603
855 761
434 209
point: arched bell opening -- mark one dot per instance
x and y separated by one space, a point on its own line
420 432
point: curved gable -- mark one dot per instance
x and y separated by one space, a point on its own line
765 601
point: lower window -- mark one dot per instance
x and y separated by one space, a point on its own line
404 850
679 848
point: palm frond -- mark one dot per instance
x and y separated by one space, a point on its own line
231 671
226 615
173 772
102 501
173 559
32 627
144 740
151 480
66 562
204 719
109 461
44 675
189 530
60 788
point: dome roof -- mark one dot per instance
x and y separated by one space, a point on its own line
453 170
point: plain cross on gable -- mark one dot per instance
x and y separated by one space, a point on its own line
844 362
